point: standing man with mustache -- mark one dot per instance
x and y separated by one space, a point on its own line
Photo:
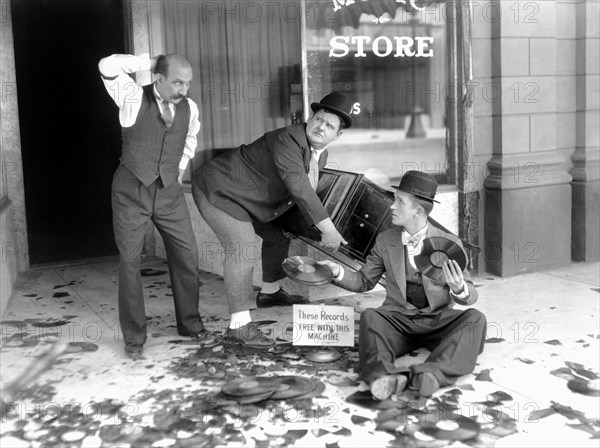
266 188
159 126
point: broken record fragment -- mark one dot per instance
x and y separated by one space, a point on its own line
253 387
590 388
457 427
323 355
292 386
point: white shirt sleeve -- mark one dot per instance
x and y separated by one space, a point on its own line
191 140
340 275
464 294
125 92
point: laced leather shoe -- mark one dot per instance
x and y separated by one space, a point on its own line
249 335
279 298
385 386
426 383
134 351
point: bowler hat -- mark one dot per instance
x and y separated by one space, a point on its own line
336 103
420 184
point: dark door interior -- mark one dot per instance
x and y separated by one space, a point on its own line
70 132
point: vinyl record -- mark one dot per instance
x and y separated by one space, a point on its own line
247 399
292 386
252 385
305 270
456 427
319 388
323 355
436 250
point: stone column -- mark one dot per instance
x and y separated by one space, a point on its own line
585 218
527 189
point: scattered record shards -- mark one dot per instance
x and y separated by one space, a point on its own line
581 370
588 388
292 386
149 272
51 323
500 396
359 419
494 340
564 373
254 385
484 375
456 427
525 360
75 347
58 295
319 432
587 428
326 354
539 414
553 342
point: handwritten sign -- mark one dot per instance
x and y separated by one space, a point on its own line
323 325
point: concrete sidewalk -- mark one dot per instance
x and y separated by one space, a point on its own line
542 329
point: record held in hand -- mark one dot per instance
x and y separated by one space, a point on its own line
305 270
252 385
292 386
436 250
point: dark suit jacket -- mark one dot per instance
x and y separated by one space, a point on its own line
387 256
263 180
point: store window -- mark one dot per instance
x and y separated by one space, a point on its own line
392 58
246 57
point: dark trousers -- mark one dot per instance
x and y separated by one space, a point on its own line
454 337
135 207
276 244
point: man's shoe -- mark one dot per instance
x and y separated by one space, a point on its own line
279 298
385 386
249 335
199 335
426 383
134 351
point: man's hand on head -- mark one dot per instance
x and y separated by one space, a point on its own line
153 63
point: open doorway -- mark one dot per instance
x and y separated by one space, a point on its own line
70 133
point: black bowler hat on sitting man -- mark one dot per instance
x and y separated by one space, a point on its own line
336 103
419 184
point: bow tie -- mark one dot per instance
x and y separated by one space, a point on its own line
411 241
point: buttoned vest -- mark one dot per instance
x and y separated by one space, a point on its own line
415 292
150 150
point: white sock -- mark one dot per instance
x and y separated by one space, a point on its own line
269 288
240 319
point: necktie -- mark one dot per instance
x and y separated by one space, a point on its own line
166 114
313 172
411 242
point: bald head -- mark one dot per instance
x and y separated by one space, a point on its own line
165 62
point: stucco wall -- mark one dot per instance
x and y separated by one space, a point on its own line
13 224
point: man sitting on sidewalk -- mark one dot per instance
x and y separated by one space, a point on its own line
417 311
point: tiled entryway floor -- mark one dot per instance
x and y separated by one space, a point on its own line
542 330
